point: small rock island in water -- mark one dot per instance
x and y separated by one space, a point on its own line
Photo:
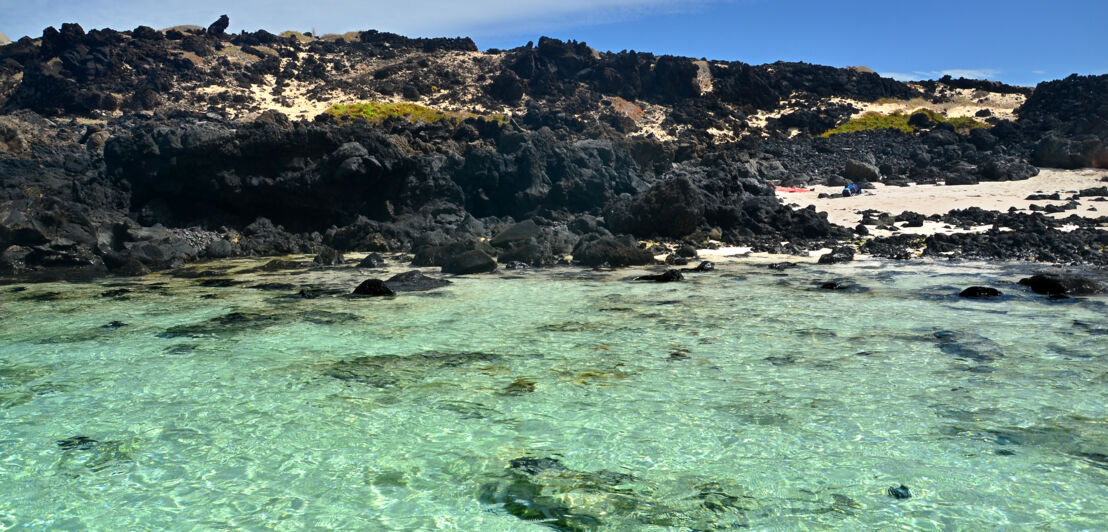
367 281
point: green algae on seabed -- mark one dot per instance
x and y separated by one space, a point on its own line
558 399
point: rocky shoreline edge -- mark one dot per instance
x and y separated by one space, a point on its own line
186 167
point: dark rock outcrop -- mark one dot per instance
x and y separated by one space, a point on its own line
980 292
469 262
414 281
613 251
670 276
1055 285
219 27
373 288
838 255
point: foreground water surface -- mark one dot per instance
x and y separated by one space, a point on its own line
560 399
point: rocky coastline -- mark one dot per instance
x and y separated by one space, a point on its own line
128 152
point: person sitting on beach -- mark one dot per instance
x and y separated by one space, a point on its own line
851 190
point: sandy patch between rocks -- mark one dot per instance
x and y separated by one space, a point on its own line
940 199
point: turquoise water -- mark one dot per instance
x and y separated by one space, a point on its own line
743 398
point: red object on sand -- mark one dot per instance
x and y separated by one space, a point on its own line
791 189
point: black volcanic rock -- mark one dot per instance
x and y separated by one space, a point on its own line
980 292
520 232
670 276
861 171
414 281
165 175
373 288
838 255
371 260
672 208
1062 285
218 27
613 251
469 262
329 257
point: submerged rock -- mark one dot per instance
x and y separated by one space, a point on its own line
546 490
373 288
970 346
387 371
230 323
83 443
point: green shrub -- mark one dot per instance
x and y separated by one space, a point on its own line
377 112
874 120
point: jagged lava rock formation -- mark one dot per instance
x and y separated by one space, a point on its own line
137 150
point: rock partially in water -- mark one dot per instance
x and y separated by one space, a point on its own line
704 266
273 286
980 292
373 288
276 265
838 255
675 260
373 260
414 281
218 283
329 257
899 492
670 276
83 443
1069 285
839 285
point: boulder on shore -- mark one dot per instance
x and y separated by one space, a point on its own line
472 261
838 255
615 251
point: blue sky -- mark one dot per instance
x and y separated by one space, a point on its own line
1016 41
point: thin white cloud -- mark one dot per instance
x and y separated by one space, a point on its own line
980 73
899 76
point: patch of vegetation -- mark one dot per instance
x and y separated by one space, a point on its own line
377 112
296 35
874 120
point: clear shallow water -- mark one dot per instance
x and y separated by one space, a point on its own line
739 399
